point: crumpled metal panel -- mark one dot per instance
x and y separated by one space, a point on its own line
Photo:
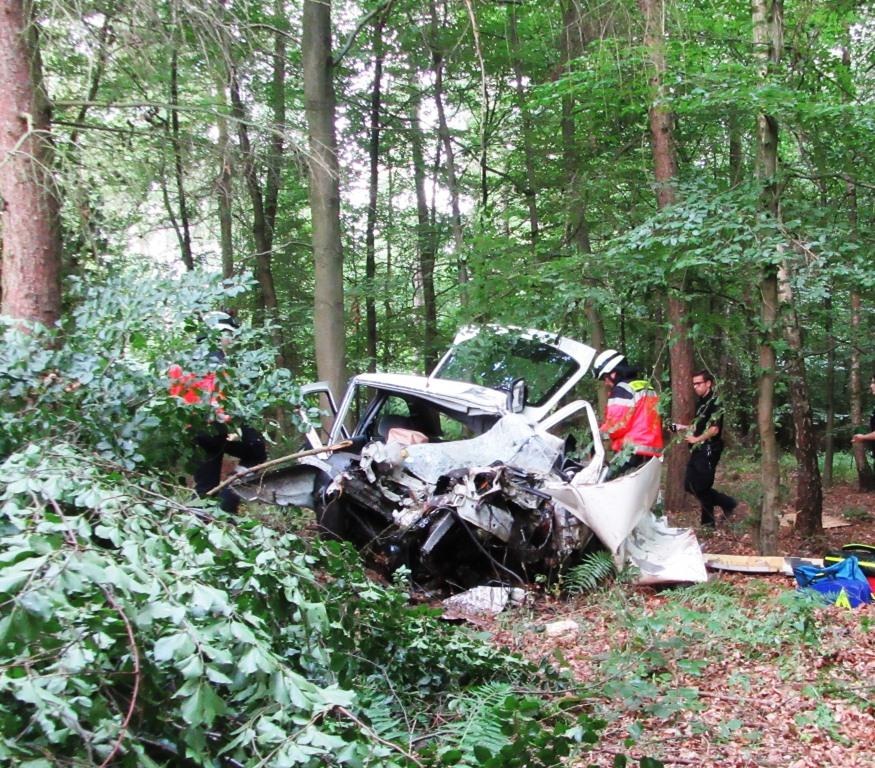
512 440
611 509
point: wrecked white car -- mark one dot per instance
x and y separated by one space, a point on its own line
488 469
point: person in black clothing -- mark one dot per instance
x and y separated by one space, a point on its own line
246 444
869 437
705 437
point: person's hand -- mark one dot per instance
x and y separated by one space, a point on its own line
692 439
857 439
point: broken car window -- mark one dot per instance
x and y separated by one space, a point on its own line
496 359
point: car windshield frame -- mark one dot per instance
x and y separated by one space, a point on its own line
496 358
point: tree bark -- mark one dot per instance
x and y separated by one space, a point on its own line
324 191
261 233
809 491
373 189
29 210
665 173
183 229
223 185
571 45
426 245
531 188
437 62
767 48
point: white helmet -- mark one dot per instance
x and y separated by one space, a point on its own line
221 321
606 361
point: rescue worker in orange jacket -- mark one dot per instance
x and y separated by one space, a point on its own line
632 422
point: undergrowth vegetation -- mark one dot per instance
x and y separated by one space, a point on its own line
141 627
666 650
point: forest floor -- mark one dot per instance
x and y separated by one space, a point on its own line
737 698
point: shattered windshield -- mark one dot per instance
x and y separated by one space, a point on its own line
495 359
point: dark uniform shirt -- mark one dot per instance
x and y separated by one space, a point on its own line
709 412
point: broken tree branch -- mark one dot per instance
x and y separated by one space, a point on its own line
276 462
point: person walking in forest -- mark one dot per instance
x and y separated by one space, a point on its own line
868 437
705 438
632 422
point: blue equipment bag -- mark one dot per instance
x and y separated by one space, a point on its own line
841 584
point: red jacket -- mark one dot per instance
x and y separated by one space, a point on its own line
192 388
631 418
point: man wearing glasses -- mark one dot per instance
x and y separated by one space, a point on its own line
705 438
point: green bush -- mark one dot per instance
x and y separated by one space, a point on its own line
141 629
100 379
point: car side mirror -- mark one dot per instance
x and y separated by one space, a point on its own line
516 398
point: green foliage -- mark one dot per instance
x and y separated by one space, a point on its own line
139 631
134 627
101 378
594 570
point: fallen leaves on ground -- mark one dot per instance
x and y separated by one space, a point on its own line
727 700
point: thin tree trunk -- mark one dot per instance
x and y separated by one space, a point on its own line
437 61
766 51
278 104
531 189
89 232
29 211
324 188
809 491
224 186
426 244
577 227
665 172
829 440
260 228
373 188
183 229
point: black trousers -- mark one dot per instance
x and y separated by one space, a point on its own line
699 481
250 449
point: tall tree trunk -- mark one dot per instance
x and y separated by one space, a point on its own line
829 440
223 184
29 213
865 475
278 105
426 245
665 172
809 491
437 63
324 188
531 188
183 227
373 188
577 227
767 17
89 235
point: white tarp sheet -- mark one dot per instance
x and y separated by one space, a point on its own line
665 555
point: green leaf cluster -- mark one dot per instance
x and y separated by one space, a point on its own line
100 379
134 629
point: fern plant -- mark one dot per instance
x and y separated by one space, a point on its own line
594 570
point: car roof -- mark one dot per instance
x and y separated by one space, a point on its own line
455 395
